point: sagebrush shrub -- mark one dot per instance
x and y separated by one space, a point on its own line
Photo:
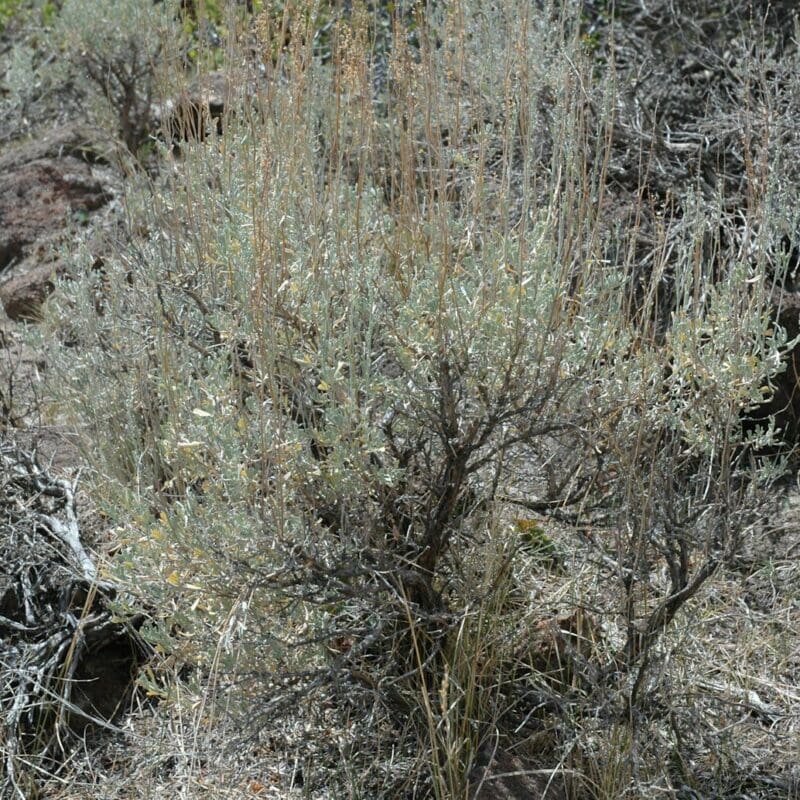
113 54
364 324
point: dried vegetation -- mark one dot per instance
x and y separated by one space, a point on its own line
440 402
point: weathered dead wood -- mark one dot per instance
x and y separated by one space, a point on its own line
66 662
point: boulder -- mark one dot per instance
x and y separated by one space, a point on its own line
46 187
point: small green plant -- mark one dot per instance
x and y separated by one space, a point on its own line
534 541
8 8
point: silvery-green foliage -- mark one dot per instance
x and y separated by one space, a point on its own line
223 366
20 78
33 85
334 346
717 352
300 400
114 28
